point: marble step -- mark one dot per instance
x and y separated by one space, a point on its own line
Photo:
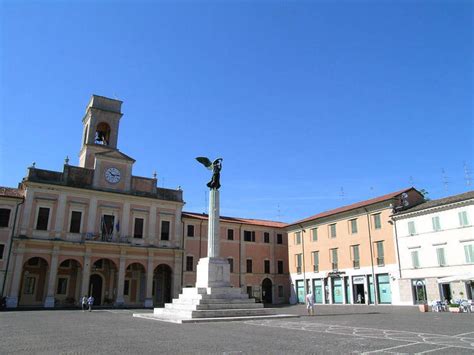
177 306
184 300
187 314
214 292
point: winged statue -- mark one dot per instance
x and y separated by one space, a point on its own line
216 167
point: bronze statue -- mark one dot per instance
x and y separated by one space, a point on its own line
216 167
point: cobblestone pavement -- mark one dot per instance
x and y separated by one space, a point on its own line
334 329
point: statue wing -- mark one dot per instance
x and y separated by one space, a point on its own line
205 161
217 160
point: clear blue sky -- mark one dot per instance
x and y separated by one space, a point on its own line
299 98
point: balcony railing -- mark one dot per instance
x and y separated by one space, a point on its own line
108 238
334 266
380 261
356 264
315 268
298 269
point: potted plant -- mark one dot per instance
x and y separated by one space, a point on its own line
453 307
423 307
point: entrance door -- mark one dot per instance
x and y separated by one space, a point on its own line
445 292
267 291
337 290
162 291
300 291
318 291
95 288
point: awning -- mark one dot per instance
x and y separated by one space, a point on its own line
456 278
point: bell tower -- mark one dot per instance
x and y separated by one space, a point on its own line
101 127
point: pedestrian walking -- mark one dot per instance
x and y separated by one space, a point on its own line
84 303
90 302
310 303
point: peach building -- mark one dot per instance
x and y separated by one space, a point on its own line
349 254
257 252
97 229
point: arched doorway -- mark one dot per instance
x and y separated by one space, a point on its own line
162 285
34 282
134 289
68 285
95 288
267 291
106 270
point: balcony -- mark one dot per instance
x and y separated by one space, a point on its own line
315 268
298 269
107 238
334 266
381 261
356 264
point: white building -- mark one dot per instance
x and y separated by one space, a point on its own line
435 243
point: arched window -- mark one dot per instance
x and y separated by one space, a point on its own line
102 134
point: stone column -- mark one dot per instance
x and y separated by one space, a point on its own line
213 232
86 274
149 282
61 210
53 272
119 301
12 299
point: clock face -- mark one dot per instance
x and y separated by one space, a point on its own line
112 175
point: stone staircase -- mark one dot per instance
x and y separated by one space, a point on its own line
200 304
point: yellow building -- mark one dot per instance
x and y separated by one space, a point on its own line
339 253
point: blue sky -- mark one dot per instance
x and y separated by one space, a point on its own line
301 99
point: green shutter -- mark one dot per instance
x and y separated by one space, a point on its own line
380 249
441 258
469 252
356 252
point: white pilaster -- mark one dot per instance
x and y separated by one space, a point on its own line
124 223
119 301
25 220
53 272
58 227
92 216
152 234
149 282
86 273
12 300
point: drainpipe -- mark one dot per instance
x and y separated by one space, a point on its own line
371 261
11 245
240 255
304 268
182 254
398 249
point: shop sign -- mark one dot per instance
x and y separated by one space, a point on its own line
357 280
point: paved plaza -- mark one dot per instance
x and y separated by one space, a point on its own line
334 329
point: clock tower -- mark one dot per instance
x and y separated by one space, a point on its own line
112 169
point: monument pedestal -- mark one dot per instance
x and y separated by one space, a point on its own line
213 272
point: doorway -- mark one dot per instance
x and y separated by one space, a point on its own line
95 288
267 291
445 292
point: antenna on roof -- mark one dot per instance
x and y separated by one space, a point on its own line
467 175
341 194
445 179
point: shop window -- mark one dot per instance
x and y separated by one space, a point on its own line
62 286
4 217
75 226
43 218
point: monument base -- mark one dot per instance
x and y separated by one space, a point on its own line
212 304
213 272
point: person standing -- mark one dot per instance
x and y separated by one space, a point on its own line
90 302
84 303
310 303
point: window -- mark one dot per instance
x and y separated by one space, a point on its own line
314 234
189 263
4 217
377 222
298 238
138 229
298 258
355 256
411 228
334 259
316 261
266 237
190 230
107 225
380 254
249 236
62 286
126 287
469 252
414 259
279 238
75 226
280 291
332 230
249 266
463 220
266 265
353 223
29 288
435 223
165 230
230 234
2 249
280 266
231 263
43 218
441 256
